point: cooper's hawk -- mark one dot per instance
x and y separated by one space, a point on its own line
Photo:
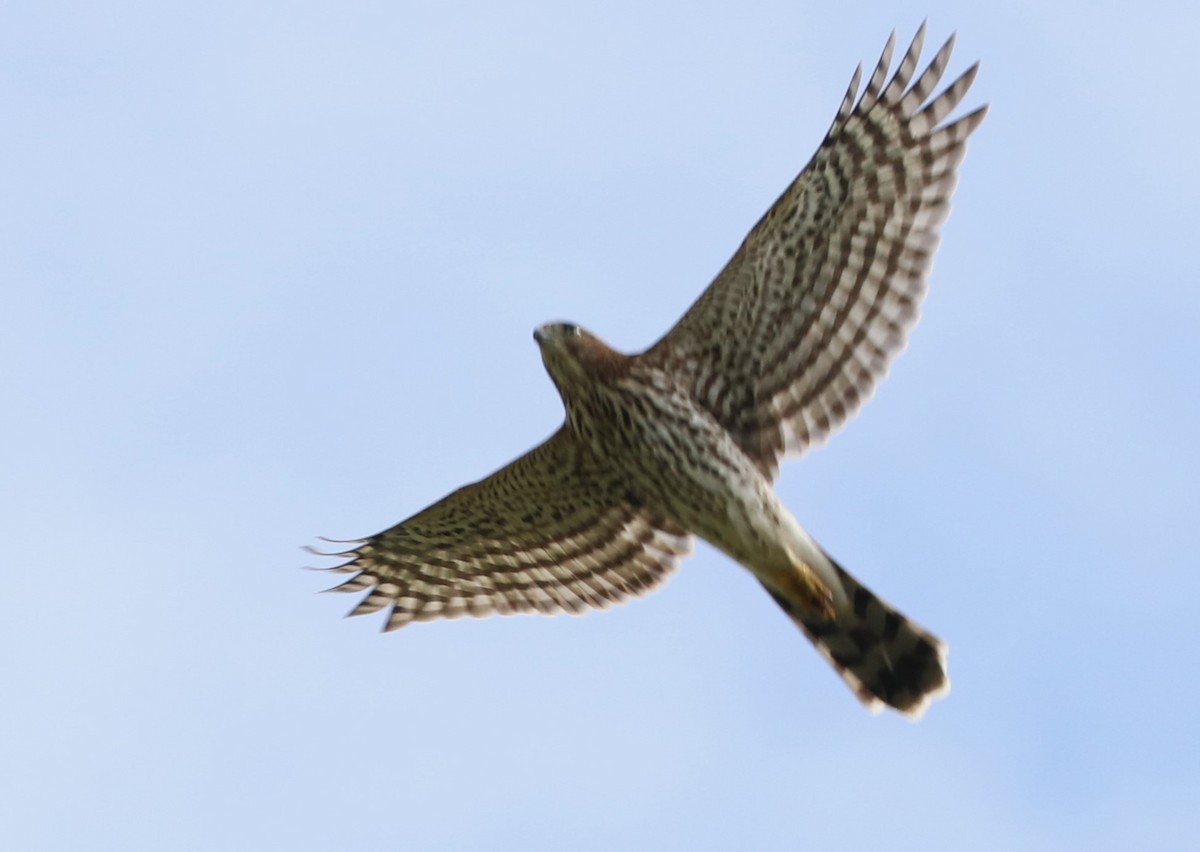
685 438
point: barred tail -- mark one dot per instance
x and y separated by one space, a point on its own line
885 658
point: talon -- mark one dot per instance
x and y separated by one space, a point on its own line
812 591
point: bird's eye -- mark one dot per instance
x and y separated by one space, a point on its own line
571 329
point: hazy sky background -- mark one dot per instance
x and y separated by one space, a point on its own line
269 271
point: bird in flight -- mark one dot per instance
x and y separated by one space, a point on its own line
685 438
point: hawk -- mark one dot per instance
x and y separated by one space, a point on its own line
685 438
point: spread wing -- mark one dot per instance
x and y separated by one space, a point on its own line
551 531
797 329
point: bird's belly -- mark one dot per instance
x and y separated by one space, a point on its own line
713 489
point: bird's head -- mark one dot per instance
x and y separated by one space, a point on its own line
574 356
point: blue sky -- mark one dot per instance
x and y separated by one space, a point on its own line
269 272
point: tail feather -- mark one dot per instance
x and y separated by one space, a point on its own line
885 658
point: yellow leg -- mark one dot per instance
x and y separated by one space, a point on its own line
809 591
